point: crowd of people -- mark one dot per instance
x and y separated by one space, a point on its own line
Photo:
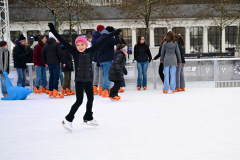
107 51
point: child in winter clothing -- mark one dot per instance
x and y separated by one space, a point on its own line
52 55
117 69
4 65
98 75
66 90
83 75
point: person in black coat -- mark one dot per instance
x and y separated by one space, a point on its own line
160 70
66 87
143 56
52 55
20 60
117 69
83 57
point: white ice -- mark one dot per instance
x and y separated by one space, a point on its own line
199 124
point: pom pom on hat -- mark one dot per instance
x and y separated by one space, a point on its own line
100 28
81 39
21 38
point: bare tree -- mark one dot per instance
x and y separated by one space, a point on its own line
223 13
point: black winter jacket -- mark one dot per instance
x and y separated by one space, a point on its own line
19 56
83 60
106 52
117 68
68 60
52 52
95 37
140 55
159 54
182 51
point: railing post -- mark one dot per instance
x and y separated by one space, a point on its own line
154 75
215 72
30 76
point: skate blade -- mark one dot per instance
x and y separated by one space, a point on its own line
68 130
95 125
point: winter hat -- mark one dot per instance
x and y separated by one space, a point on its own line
105 32
50 35
110 29
21 38
100 28
81 39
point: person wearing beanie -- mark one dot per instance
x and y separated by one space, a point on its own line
98 76
20 60
52 56
83 57
117 69
40 68
105 56
4 65
110 29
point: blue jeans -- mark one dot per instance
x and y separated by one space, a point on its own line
21 76
142 72
41 76
61 76
173 78
3 85
54 70
105 69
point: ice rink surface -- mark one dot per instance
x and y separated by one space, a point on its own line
199 124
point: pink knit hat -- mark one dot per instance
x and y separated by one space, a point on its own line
81 39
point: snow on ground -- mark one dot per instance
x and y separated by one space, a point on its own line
199 124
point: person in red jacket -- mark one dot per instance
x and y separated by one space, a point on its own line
40 67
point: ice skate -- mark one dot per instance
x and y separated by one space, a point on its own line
91 123
121 90
115 98
67 125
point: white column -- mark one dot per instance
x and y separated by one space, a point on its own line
134 37
205 39
187 39
152 44
223 40
24 32
169 28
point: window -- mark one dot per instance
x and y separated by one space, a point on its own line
179 30
213 39
127 36
231 38
142 32
15 35
67 32
31 35
196 39
87 31
158 35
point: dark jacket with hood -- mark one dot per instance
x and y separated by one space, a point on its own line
106 52
182 51
68 60
83 60
170 54
19 56
52 52
117 68
142 55
95 37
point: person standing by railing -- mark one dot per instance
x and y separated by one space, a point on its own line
4 65
170 57
20 60
143 56
40 68
180 79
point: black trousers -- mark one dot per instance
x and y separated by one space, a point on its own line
160 72
80 87
115 88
